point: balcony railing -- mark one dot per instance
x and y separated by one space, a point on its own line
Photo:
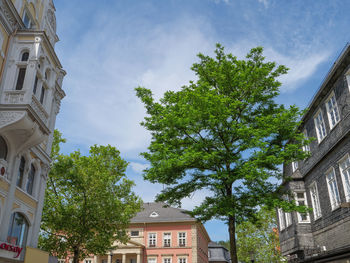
14 96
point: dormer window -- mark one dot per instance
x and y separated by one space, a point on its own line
154 214
27 20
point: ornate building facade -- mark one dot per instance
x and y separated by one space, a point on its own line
31 78
322 181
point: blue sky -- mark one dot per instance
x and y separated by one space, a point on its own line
110 47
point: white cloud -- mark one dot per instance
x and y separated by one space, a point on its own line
264 2
302 63
101 106
138 167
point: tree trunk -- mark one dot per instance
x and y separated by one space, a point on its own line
232 234
76 255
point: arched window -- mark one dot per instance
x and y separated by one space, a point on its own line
3 148
18 230
25 56
30 182
21 172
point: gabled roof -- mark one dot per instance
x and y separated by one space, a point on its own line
159 212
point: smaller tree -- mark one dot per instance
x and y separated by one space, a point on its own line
259 238
88 204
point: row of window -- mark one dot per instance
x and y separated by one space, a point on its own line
333 118
18 230
333 193
149 260
29 184
21 76
181 238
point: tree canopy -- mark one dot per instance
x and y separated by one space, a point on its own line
88 203
223 133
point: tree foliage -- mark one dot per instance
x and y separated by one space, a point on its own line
223 133
88 202
259 239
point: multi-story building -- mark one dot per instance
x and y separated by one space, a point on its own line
30 93
322 181
160 234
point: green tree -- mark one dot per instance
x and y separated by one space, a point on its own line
88 203
223 133
259 239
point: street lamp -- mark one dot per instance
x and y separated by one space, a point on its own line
252 258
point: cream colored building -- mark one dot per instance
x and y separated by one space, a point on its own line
30 94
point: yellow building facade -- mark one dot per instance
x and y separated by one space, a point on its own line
31 78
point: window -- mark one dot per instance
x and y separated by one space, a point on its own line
30 181
166 260
344 167
320 127
306 148
166 239
151 260
42 95
294 166
20 78
61 261
25 56
134 233
152 239
300 198
88 261
315 201
333 189
35 84
3 148
21 172
182 239
281 219
182 260
18 230
104 261
154 214
332 111
132 260
26 20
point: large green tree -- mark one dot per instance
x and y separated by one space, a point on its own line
88 203
223 133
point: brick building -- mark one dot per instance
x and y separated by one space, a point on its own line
159 234
322 181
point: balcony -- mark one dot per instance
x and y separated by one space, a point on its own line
23 119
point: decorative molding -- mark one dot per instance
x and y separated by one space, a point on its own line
8 117
14 96
39 109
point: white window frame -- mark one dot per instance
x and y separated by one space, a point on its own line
168 234
334 111
315 201
166 260
333 191
182 260
281 219
88 261
182 238
306 148
151 260
318 123
153 240
298 200
345 175
295 166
